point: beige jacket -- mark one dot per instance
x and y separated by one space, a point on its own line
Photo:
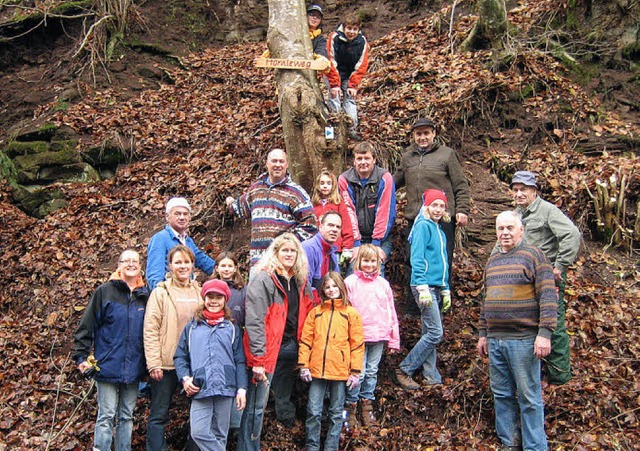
163 323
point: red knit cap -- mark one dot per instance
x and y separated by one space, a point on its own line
433 194
216 286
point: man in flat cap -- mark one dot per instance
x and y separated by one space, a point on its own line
547 228
428 164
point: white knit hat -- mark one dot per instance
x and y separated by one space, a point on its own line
177 202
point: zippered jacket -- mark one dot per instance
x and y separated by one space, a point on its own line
435 168
372 297
373 205
112 323
213 356
349 59
429 262
266 308
332 342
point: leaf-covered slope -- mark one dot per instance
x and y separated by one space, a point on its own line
205 136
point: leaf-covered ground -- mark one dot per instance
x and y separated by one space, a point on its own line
205 137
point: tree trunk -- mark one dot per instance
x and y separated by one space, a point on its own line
304 114
491 28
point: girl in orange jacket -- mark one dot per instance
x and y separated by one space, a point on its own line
331 352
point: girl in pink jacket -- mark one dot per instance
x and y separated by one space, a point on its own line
371 295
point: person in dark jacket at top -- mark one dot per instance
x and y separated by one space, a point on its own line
428 164
349 56
112 324
278 301
370 195
318 41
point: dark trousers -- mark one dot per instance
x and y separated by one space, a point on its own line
284 378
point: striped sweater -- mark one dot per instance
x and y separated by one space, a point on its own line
275 209
520 299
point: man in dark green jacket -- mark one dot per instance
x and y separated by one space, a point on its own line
547 228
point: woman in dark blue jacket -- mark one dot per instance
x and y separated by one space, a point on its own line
210 364
112 325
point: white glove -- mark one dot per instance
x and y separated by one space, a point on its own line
353 381
305 375
425 298
446 300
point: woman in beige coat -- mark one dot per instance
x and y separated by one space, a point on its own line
171 305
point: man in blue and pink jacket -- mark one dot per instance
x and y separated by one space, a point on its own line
371 201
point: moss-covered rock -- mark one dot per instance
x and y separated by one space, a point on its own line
32 198
29 166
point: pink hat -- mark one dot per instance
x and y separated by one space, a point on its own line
433 194
216 286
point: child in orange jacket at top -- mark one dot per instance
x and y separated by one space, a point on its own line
331 352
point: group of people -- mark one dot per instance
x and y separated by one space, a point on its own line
317 305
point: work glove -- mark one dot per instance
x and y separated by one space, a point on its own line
305 375
446 300
353 381
325 61
345 257
424 295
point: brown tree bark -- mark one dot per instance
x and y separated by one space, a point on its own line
302 109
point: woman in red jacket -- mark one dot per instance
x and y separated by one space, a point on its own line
277 303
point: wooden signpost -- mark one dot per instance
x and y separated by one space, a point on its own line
277 63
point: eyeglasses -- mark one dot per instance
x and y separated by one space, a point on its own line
130 261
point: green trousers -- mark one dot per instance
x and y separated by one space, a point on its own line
558 363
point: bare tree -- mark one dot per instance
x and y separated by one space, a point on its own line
303 111
491 28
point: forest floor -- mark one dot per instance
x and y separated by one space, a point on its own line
202 128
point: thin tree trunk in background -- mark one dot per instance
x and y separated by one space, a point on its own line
491 28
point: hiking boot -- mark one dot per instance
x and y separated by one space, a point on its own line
405 381
350 416
354 135
367 417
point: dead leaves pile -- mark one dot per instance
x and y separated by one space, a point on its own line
205 136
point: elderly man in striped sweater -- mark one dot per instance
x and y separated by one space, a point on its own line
517 317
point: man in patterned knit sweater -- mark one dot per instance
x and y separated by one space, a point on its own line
517 317
275 205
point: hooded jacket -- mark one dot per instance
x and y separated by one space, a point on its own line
213 356
372 297
112 323
266 316
332 342
429 262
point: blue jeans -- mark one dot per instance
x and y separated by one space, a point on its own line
161 393
348 104
209 420
115 401
515 382
317 390
369 377
236 416
423 353
251 424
